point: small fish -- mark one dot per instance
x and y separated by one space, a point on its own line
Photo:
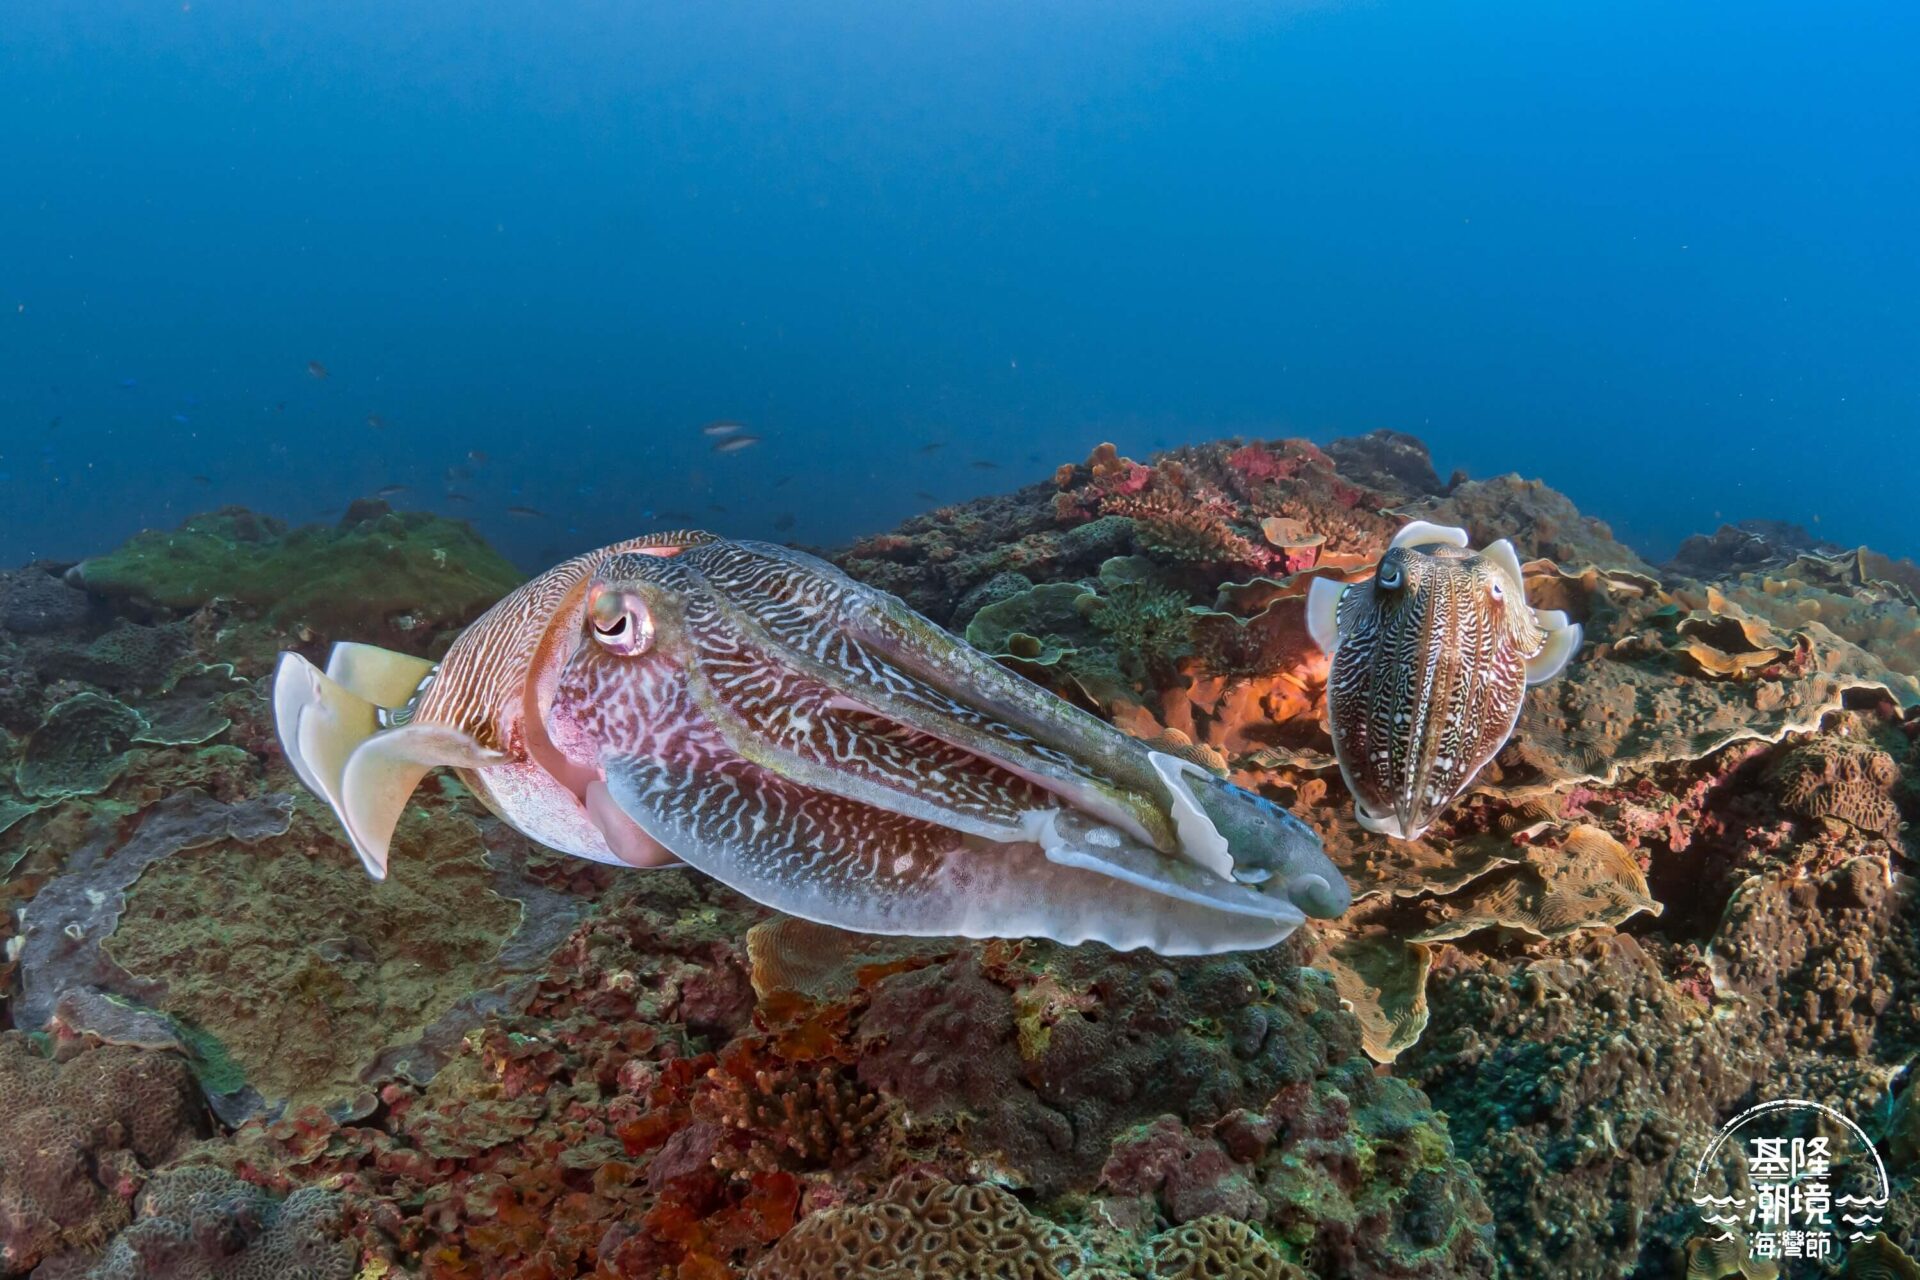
315 369
458 472
388 491
375 421
784 521
981 464
734 444
181 418
716 508
1431 660
459 497
202 480
527 513
924 496
934 447
678 517
783 482
477 457
722 428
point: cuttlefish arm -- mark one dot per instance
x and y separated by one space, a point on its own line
883 661
893 662
777 668
832 859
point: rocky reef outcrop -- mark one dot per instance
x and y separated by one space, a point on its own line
1683 887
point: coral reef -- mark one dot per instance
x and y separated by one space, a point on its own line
937 1229
1683 887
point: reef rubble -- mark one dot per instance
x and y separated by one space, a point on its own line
1683 887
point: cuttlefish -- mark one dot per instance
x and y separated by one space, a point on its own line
810 742
1432 658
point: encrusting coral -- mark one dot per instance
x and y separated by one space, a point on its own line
402 572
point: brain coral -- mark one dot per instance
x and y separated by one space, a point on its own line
1842 779
76 1139
930 1229
199 1223
1216 1248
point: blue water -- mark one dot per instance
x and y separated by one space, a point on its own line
1661 255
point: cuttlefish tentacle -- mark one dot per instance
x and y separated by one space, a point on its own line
956 694
1431 662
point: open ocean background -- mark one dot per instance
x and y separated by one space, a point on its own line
1662 256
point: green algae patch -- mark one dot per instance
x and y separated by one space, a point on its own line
302 971
423 568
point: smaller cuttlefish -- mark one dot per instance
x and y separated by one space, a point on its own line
812 743
1432 658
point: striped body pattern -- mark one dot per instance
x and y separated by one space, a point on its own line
821 748
811 742
1431 662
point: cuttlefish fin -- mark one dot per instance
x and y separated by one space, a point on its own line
1323 611
381 676
1503 555
1563 641
1424 533
1563 637
334 741
838 862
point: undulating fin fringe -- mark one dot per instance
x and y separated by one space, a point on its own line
330 728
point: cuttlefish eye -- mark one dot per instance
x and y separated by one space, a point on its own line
621 622
1495 590
1389 575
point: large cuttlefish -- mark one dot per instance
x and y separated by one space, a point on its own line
812 743
1431 661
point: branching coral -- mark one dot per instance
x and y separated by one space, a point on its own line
786 1116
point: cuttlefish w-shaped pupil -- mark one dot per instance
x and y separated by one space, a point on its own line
621 622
